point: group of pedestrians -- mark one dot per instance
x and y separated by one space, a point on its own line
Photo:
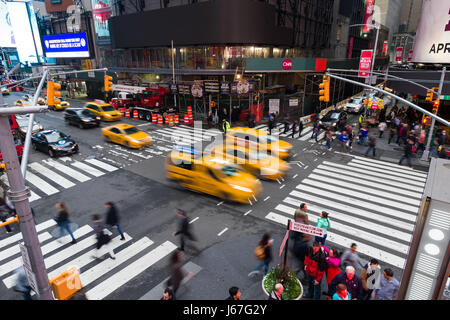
295 126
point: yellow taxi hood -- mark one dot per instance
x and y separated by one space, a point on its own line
138 135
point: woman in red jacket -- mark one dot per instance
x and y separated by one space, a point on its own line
333 262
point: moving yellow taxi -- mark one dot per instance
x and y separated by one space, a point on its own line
212 175
103 110
5 91
61 106
259 139
22 103
127 135
260 164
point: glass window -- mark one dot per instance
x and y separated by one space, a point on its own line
131 130
230 171
115 130
86 113
91 106
108 108
55 136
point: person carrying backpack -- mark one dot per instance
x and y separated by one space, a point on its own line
264 253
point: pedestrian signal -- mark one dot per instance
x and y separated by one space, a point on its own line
108 83
325 90
52 93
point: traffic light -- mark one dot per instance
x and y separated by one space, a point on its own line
53 92
435 106
108 83
429 95
325 92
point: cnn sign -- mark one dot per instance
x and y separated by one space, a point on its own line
287 64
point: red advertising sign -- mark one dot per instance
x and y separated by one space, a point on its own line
385 48
287 64
410 55
321 64
364 63
368 16
306 228
399 54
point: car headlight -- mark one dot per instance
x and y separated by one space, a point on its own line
41 128
240 188
98 118
85 120
333 124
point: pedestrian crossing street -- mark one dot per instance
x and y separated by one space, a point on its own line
51 176
305 135
370 202
99 277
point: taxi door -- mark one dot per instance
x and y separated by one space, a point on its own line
206 181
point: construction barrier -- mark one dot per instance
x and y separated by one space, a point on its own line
186 119
176 119
189 108
171 121
127 113
154 118
160 120
135 114
190 118
122 111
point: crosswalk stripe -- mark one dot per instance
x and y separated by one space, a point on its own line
343 187
97 271
346 242
198 132
349 230
392 169
40 184
11 251
177 138
364 213
15 263
33 197
18 236
372 170
363 180
172 133
88 169
102 165
412 185
132 270
63 182
360 203
67 170
213 132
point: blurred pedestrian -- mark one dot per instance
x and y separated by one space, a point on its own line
300 128
370 278
343 140
324 223
333 261
271 122
286 123
300 240
316 130
351 258
381 127
315 267
342 293
210 119
112 218
389 287
184 230
177 274
407 153
22 284
421 141
62 220
264 253
352 282
391 133
167 294
277 292
225 126
235 294
294 127
372 145
364 132
328 138
103 239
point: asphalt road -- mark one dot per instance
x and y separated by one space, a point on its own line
227 232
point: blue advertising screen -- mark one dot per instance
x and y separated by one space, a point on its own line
69 45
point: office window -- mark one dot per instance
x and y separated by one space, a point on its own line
339 31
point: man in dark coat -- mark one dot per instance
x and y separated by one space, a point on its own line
184 229
112 219
351 280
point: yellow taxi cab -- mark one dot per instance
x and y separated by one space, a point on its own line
212 175
259 139
62 105
258 163
22 103
5 91
103 110
29 99
127 135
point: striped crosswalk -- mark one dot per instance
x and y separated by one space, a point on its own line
99 277
304 136
369 202
186 135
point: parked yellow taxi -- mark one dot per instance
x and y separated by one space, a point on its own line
127 135
256 162
259 139
212 175
103 110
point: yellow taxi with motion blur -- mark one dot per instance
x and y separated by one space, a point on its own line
103 110
258 163
22 103
212 175
61 106
258 139
5 91
127 135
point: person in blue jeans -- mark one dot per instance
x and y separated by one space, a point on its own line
316 130
363 136
112 219
62 219
372 144
265 242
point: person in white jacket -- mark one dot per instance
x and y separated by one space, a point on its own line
370 277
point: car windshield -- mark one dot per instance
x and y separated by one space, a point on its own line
108 108
229 171
334 116
85 113
55 136
131 130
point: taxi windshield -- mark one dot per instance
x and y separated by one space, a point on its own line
228 171
131 130
55 136
108 108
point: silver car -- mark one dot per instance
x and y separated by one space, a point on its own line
22 121
354 105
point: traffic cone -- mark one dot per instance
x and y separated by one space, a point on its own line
186 119
154 118
189 108
177 120
160 120
171 121
135 114
190 118
127 113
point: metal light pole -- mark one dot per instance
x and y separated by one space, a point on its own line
173 75
19 194
426 153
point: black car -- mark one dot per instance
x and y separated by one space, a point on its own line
81 117
54 142
334 119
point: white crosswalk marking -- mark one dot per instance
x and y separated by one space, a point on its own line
369 203
16 249
67 170
88 169
102 165
63 182
40 184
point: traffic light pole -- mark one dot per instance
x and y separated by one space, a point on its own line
426 153
19 194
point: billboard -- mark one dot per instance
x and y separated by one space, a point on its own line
101 11
6 34
432 44
364 63
399 54
368 16
69 45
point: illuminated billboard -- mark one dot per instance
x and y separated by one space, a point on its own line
68 45
6 34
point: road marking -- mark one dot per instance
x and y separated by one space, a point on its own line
222 232
132 270
40 184
306 167
294 155
278 181
11 251
391 169
193 220
250 202
67 170
371 170
295 176
282 186
33 197
315 159
88 169
63 182
267 198
220 203
18 236
247 212
101 164
254 198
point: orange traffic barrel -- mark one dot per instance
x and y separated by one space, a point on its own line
160 120
154 118
122 111
186 118
171 121
176 119
135 114
127 113
190 118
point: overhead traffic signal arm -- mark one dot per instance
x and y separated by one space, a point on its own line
52 93
108 83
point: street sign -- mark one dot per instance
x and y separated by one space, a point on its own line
27 267
274 105
293 102
444 98
306 228
399 54
284 242
364 63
